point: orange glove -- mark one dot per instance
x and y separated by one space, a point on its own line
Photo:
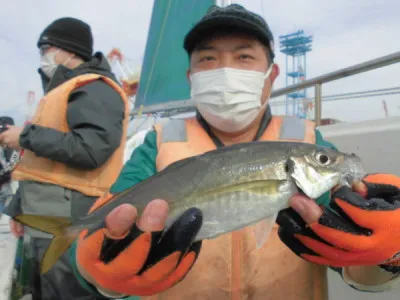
140 263
356 230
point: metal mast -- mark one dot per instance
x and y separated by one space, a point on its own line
295 46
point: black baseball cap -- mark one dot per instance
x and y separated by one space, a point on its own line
232 17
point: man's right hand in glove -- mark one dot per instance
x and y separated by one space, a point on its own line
134 255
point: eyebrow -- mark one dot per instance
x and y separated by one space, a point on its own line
205 47
243 46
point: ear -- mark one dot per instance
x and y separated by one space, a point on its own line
275 72
188 75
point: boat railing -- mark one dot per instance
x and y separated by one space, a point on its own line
317 82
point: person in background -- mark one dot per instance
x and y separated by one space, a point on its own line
73 147
8 161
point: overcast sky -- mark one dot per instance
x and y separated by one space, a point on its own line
344 32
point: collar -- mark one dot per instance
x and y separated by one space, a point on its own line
266 119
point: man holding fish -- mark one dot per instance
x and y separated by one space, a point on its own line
209 241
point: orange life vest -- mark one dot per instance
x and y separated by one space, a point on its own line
230 266
51 113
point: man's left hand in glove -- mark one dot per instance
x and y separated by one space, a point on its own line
360 228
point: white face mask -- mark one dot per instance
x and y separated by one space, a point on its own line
228 99
48 63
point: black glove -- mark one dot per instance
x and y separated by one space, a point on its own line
141 263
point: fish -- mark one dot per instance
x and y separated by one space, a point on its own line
234 187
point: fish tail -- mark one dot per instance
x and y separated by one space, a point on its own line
63 232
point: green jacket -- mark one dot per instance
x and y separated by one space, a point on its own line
142 165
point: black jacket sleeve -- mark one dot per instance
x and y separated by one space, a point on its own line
95 116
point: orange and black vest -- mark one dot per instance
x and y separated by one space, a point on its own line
51 113
230 266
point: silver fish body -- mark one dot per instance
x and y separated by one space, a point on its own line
234 187
239 185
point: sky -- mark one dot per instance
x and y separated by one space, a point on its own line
344 33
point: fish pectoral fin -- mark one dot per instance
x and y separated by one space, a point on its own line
58 246
59 227
262 230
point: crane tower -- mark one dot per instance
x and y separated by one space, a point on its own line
295 47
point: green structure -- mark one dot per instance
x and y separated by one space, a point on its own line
163 77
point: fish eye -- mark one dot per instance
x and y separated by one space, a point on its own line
322 158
